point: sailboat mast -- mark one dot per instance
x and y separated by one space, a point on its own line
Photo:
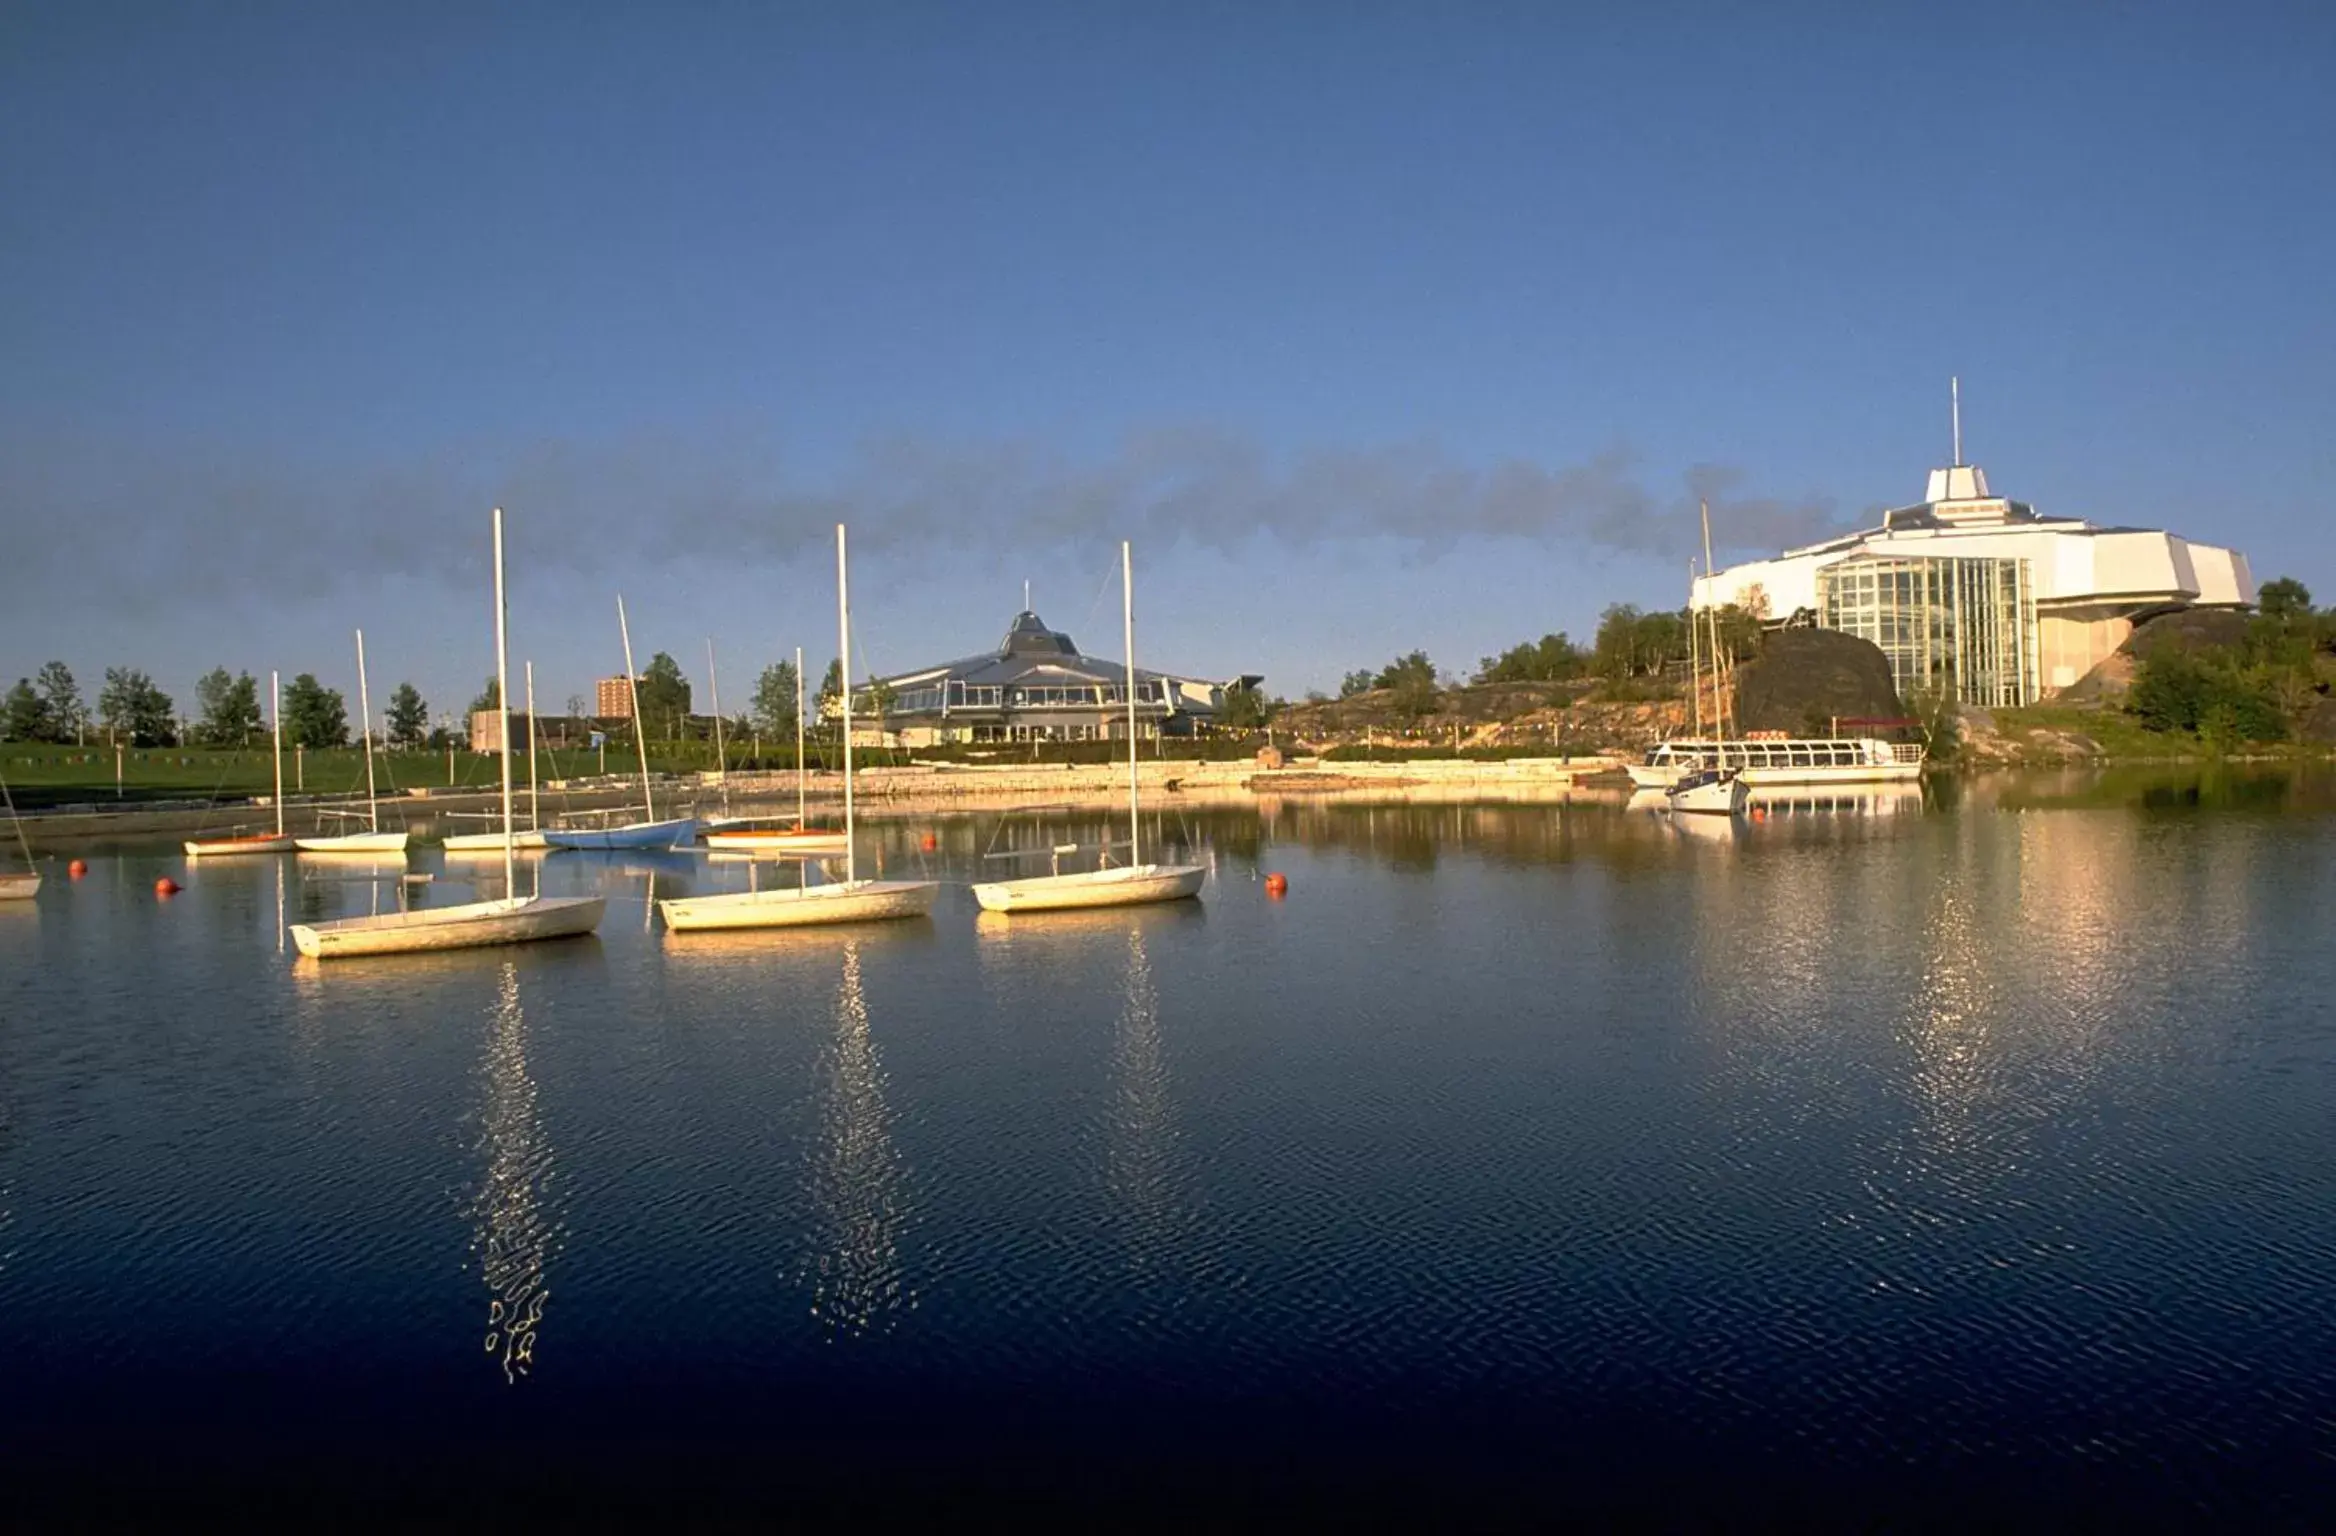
1127 614
503 712
1694 652
365 735
1719 708
721 756
799 797
633 692
276 711
843 620
534 802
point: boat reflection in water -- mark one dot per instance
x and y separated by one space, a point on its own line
859 1184
1140 1163
515 1236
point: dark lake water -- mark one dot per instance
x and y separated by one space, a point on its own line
1888 1159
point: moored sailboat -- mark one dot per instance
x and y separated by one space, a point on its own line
278 841
510 919
852 900
372 839
648 832
24 884
800 841
1132 884
492 842
1711 788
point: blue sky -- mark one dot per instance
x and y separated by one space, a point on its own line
1375 326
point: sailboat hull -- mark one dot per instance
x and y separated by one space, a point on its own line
468 926
1724 797
805 844
354 842
19 887
492 842
647 834
216 847
852 901
1128 886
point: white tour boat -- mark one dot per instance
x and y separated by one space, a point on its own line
1765 761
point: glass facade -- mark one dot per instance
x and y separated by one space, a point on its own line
1965 625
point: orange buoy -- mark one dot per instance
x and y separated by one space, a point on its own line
76 869
166 886
929 843
1277 885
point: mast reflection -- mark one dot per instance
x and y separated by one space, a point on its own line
859 1184
515 1237
1138 1171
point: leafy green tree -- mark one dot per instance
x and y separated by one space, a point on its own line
409 716
1412 679
2284 598
831 687
1357 682
774 703
1551 659
1246 709
230 708
1614 653
130 705
490 697
25 714
314 715
2175 690
63 697
664 698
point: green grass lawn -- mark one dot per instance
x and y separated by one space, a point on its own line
45 775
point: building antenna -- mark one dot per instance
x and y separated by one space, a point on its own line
1025 594
1955 395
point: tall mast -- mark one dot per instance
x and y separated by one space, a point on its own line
1127 614
721 756
534 800
1694 652
1719 708
843 624
503 713
365 734
276 710
633 691
799 738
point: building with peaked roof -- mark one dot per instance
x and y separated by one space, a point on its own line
1982 595
1036 686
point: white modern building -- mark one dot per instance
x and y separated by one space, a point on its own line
1982 595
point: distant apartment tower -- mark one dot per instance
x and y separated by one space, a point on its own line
616 699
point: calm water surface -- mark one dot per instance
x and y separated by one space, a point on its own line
1884 1158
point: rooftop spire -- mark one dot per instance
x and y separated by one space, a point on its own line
1955 398
1025 594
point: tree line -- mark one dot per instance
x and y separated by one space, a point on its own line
2260 690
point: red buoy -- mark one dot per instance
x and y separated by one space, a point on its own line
76 869
930 842
166 887
1277 885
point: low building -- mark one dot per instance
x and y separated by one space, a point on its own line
1036 686
613 699
486 730
1984 596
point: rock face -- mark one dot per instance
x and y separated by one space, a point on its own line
1804 679
2190 629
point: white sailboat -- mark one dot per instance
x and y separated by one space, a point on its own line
492 842
278 841
1125 885
801 841
372 839
852 900
1710 787
646 833
511 919
24 884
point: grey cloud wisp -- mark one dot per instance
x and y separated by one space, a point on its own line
164 519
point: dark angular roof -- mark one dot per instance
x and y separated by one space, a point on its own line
1029 649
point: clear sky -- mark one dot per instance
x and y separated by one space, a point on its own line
1375 326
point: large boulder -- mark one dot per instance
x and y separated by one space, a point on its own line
2188 629
1804 679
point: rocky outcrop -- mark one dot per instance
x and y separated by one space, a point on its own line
1804 679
